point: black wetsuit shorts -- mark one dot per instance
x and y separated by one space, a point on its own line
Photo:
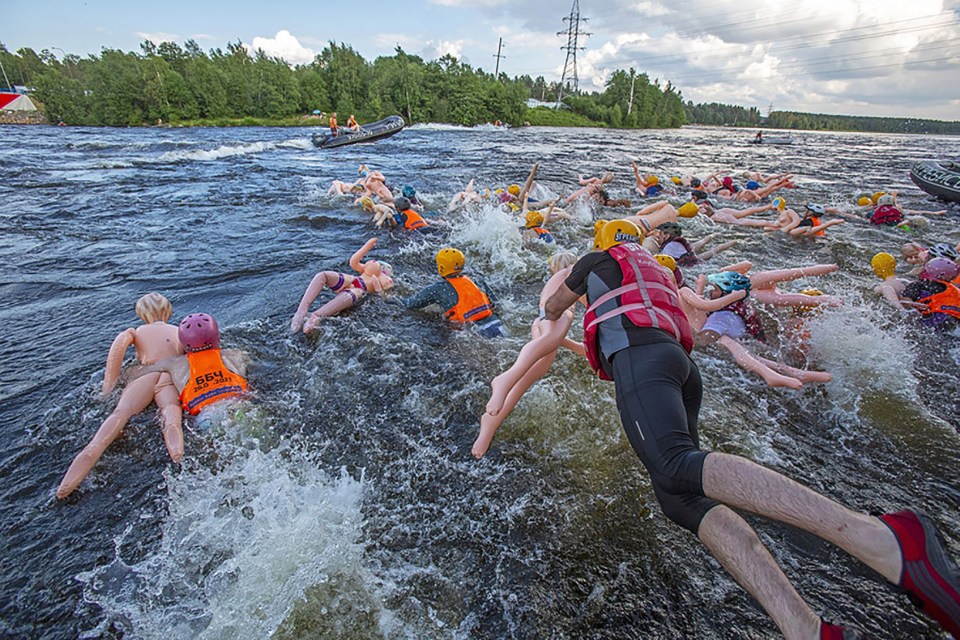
659 391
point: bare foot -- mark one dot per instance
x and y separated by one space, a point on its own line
500 389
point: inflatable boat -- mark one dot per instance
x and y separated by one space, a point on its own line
772 140
366 133
938 178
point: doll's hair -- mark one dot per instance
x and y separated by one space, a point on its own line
911 249
154 307
561 260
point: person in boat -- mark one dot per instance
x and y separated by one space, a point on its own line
375 276
758 139
332 123
352 124
534 359
205 374
466 301
686 254
154 340
636 334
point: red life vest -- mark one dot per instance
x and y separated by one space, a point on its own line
648 297
887 214
947 301
472 303
210 381
413 220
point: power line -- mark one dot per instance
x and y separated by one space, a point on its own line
573 34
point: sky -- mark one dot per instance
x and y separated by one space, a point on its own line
854 57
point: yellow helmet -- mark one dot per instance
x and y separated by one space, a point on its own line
450 262
864 201
367 203
514 189
689 210
534 219
617 232
653 179
667 262
884 265
597 228
675 180
812 292
779 203
877 196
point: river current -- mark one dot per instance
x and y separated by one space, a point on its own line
342 501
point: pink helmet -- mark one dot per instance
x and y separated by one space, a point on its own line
198 331
940 269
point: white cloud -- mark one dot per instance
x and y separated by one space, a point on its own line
283 45
390 40
469 3
203 36
157 38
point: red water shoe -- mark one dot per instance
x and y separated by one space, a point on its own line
836 632
930 578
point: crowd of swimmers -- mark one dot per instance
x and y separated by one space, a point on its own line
643 318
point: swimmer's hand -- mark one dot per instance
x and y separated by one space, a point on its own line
297 323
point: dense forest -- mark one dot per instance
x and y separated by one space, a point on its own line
175 84
185 85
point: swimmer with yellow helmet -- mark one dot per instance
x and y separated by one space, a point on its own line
534 359
892 288
463 300
648 186
534 230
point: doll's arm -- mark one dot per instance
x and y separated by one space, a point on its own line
355 259
115 359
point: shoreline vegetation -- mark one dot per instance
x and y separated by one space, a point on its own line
184 86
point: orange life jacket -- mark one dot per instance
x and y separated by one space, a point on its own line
816 223
948 301
210 381
414 220
333 124
472 303
543 234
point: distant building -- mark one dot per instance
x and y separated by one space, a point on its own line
533 103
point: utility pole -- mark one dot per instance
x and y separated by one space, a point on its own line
496 74
8 85
573 34
633 80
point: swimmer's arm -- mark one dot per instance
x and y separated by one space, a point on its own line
355 259
561 300
177 366
115 359
432 294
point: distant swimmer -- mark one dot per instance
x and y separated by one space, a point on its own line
375 276
154 340
465 302
686 254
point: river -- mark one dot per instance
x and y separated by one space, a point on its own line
343 502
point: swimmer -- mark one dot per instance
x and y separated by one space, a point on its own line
672 243
727 215
648 186
464 301
659 392
408 218
340 188
206 374
534 359
810 225
534 230
376 276
763 284
937 294
154 340
465 198
891 289
887 212
591 187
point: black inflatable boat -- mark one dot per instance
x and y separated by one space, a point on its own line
367 133
940 178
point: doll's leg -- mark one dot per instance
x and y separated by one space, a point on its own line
748 361
766 279
341 302
490 423
709 253
548 341
168 400
323 279
802 375
778 299
135 398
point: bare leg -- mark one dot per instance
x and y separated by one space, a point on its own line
490 423
322 279
709 253
735 544
341 302
550 335
766 279
748 361
135 398
743 484
803 375
168 400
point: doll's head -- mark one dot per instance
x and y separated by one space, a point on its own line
154 307
560 261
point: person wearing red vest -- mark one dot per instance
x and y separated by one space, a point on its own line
205 375
635 333
463 300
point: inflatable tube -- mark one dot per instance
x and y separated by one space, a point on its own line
367 133
938 178
773 140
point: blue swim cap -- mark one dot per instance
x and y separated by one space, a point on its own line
408 191
753 184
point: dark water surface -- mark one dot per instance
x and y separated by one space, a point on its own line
343 502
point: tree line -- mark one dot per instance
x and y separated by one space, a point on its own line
184 84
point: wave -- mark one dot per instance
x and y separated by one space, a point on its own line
225 151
